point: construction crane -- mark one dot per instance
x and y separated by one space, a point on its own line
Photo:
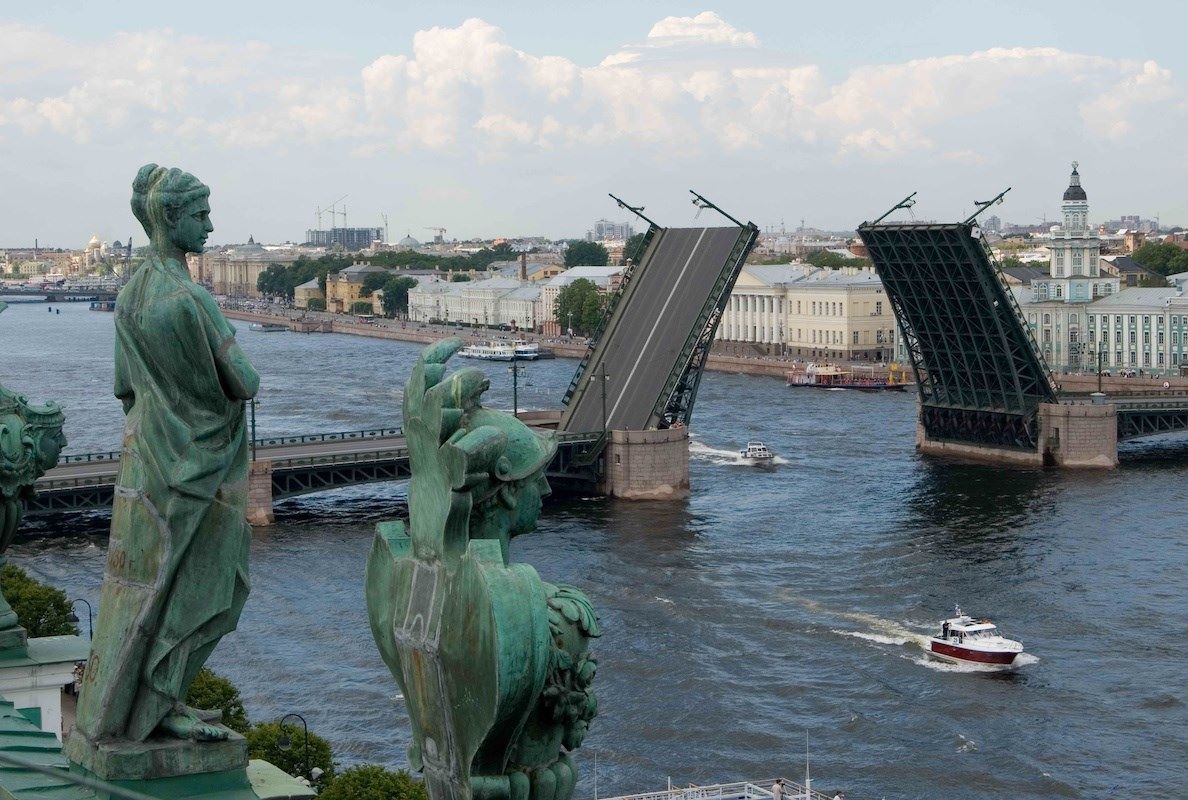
441 232
333 211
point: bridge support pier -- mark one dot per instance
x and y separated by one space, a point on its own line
1084 435
259 504
647 465
969 451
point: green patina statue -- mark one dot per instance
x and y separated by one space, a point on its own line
493 662
30 441
177 565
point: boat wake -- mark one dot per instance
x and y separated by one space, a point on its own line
911 638
729 458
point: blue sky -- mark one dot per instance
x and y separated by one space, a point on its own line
517 118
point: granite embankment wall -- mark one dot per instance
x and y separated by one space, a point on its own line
413 333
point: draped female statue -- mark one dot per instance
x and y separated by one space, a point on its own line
177 565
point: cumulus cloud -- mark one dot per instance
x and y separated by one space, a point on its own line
696 84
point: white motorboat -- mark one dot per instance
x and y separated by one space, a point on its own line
490 351
964 640
756 453
525 350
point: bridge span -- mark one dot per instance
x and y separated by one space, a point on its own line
284 467
985 390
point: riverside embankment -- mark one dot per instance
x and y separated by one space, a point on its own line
562 347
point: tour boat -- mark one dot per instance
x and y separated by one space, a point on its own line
863 379
268 327
525 351
964 640
490 351
756 453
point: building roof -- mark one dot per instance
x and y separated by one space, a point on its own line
529 293
1127 265
1074 190
777 274
498 282
600 276
408 241
310 284
1138 297
362 268
1026 275
1179 277
838 277
23 739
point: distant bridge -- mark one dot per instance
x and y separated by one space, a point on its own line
291 466
60 294
983 384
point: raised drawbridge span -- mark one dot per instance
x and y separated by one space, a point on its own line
644 366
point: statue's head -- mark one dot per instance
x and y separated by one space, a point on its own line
44 426
173 206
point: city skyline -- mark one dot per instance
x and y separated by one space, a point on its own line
488 124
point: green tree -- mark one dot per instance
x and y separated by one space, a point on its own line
828 260
634 248
265 741
585 254
396 295
1011 262
41 610
373 281
210 691
1164 258
275 281
582 303
316 304
372 782
459 277
362 307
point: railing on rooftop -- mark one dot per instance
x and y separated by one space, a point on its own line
743 790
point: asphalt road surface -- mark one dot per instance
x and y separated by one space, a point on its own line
644 338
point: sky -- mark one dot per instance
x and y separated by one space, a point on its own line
518 118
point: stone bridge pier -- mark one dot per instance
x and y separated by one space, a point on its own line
259 504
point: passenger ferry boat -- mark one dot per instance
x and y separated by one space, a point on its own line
490 351
757 453
963 640
863 379
268 327
525 351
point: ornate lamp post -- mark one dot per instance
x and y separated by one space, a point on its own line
90 616
284 743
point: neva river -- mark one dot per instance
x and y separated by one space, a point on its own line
766 607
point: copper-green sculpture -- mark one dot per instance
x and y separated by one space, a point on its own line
177 565
30 441
493 662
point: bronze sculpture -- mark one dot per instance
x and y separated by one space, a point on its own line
493 662
177 567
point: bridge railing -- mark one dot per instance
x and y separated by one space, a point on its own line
265 441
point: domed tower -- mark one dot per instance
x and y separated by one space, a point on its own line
1075 248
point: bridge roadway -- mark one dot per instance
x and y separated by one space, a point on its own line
298 465
668 304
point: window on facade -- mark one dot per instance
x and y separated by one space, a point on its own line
1059 291
1047 319
1146 359
1076 258
1117 358
1117 337
1072 319
1160 359
1133 359
797 306
1146 321
878 307
855 337
1132 320
1133 337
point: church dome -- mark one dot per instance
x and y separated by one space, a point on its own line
94 241
409 241
1074 190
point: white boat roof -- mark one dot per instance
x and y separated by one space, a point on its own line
968 626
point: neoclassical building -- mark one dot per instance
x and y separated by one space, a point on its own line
1081 317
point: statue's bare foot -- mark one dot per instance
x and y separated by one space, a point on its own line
184 725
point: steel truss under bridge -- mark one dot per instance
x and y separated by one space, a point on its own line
979 373
644 365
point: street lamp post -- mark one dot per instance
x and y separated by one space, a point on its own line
252 404
284 743
90 616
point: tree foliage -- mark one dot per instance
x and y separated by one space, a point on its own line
1011 262
41 610
373 281
210 691
585 254
828 260
583 303
633 250
1164 258
362 307
264 741
395 300
372 782
316 304
458 277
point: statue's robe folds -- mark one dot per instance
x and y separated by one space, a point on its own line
177 566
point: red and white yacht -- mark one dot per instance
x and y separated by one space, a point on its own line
964 640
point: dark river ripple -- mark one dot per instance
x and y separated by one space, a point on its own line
767 606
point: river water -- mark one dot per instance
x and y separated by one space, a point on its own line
769 607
